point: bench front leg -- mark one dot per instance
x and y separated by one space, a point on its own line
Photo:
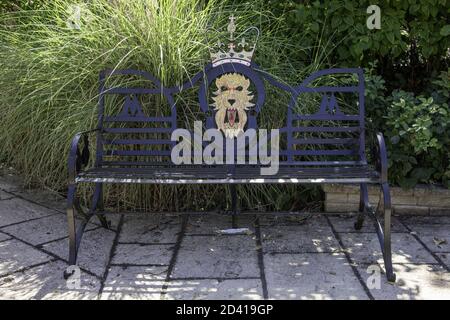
76 160
387 252
71 194
384 233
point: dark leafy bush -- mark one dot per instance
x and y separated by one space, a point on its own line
417 131
411 46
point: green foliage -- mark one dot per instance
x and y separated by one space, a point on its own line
413 39
419 139
15 5
416 128
401 22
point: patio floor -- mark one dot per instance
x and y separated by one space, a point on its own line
173 257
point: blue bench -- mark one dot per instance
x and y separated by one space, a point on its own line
301 158
323 139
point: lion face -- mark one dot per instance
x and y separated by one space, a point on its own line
231 101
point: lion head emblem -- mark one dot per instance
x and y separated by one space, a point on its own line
231 101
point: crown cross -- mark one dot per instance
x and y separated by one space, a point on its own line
231 27
245 50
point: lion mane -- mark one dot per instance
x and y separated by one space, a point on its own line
231 101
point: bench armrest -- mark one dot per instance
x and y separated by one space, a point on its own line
379 153
78 159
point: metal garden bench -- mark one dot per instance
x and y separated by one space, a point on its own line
326 145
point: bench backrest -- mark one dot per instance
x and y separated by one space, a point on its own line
333 132
322 129
129 135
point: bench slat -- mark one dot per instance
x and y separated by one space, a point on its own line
325 141
138 141
325 129
136 152
138 119
137 130
343 152
327 89
322 163
326 117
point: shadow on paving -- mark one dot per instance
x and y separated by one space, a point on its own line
166 257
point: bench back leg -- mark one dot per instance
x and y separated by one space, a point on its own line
234 210
97 204
363 206
384 232
387 253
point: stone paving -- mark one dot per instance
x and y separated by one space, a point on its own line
174 257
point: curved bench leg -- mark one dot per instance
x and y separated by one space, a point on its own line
387 253
73 250
75 234
97 204
363 206
384 233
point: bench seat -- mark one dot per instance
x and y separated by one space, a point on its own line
223 174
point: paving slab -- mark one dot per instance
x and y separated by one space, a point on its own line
240 289
4 237
43 197
414 282
217 257
320 276
134 283
8 181
207 224
346 224
416 220
5 195
246 221
313 219
16 255
365 248
445 257
18 210
141 254
41 230
150 228
46 282
435 237
113 220
94 251
314 237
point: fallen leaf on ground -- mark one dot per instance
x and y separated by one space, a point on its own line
439 242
